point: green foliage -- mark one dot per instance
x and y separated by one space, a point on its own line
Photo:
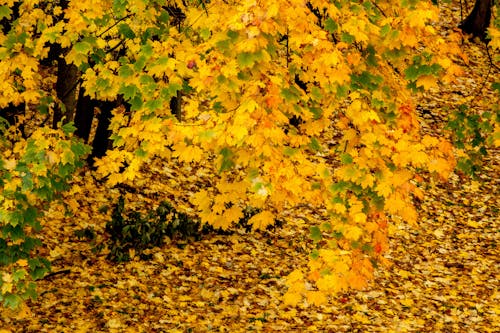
35 173
472 133
133 232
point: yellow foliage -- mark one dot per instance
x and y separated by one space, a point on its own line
262 220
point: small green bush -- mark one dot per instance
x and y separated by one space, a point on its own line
131 230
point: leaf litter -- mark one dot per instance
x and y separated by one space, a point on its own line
443 278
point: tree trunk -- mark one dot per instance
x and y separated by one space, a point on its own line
101 139
478 20
176 106
67 80
66 84
84 114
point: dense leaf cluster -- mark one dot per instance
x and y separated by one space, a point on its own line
131 232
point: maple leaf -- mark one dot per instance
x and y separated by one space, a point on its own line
292 298
202 200
427 81
316 298
352 232
232 214
261 220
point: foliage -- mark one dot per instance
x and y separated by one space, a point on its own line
32 173
244 69
473 134
131 233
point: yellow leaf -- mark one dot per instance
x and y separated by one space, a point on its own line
131 253
367 181
292 298
360 218
384 189
262 220
9 164
329 283
206 294
427 82
353 233
233 214
202 200
289 314
473 224
22 262
114 323
316 298
406 302
494 34
438 233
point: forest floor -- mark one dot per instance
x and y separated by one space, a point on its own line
443 278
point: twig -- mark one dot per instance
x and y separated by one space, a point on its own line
52 274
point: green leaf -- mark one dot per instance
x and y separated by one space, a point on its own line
102 84
338 187
82 47
125 71
136 103
205 33
19 275
153 105
68 128
233 35
316 93
141 153
330 25
346 159
129 91
411 73
245 59
315 234
289 151
347 38
140 63
314 144
125 30
290 94
227 162
147 50
5 12
80 149
30 215
12 301
385 30
163 17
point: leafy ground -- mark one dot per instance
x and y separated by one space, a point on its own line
444 274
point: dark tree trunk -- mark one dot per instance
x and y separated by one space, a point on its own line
66 84
84 114
176 106
478 20
102 134
67 80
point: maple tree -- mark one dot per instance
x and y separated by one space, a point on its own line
286 102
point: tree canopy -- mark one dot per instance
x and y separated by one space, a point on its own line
282 103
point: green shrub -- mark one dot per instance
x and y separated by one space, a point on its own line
131 230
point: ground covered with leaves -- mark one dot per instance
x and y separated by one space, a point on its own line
443 277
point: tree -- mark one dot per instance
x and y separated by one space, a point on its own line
286 103
478 21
